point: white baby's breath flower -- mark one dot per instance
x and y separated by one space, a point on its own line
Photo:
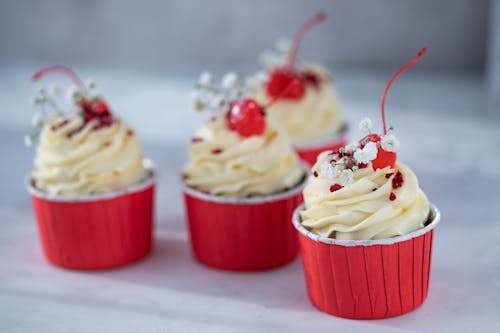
271 60
55 89
365 125
346 177
205 79
389 143
217 101
351 147
28 140
254 82
283 45
91 84
37 119
367 153
195 101
328 170
229 80
73 94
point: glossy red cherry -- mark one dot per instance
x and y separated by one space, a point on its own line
247 117
100 107
384 158
285 84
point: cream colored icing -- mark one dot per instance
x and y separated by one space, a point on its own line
253 166
359 212
314 117
90 161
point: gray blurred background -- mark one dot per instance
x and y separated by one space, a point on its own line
179 37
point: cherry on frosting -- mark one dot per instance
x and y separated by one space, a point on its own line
384 158
247 117
387 158
92 109
287 82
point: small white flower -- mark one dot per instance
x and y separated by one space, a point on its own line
217 101
261 76
346 177
229 80
283 45
91 84
365 125
41 91
328 170
195 101
55 89
28 140
73 94
37 119
389 143
253 83
367 153
351 147
271 60
205 79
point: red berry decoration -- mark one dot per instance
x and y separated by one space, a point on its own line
92 109
387 158
247 117
384 158
286 82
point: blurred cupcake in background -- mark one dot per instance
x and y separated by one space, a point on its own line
307 104
366 228
92 191
241 182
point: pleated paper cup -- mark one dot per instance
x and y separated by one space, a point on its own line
101 231
309 152
247 234
367 279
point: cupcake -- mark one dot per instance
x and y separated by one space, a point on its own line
306 103
366 229
241 183
92 191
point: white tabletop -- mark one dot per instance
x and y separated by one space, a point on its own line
449 138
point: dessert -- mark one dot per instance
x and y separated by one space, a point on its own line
366 228
92 191
241 181
306 102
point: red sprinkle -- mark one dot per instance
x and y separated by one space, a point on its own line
392 196
315 173
196 139
389 175
398 180
362 165
335 187
58 126
217 151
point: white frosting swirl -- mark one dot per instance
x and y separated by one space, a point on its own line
314 117
363 209
90 161
224 163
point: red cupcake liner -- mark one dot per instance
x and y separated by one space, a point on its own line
370 279
99 231
309 153
248 234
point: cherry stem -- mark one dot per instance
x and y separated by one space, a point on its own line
297 39
419 55
61 69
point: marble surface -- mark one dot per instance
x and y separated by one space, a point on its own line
449 136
